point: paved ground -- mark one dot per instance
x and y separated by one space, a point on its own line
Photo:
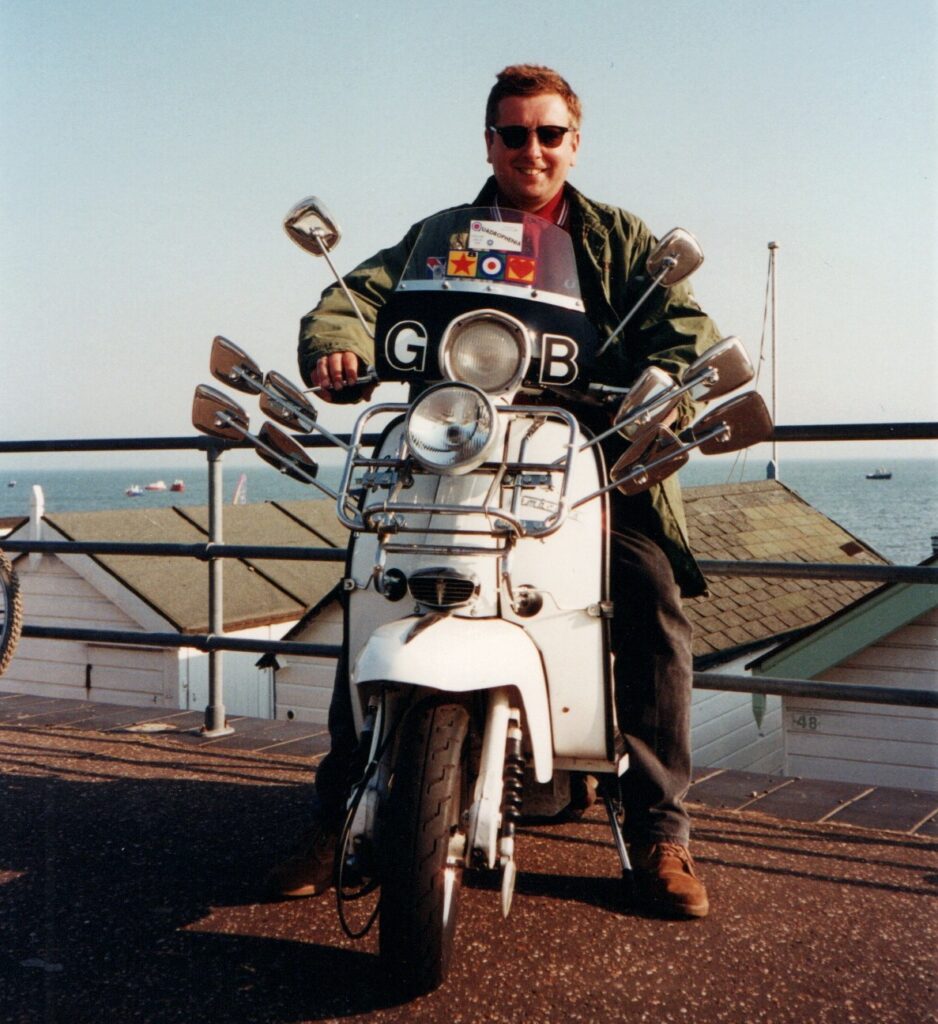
131 867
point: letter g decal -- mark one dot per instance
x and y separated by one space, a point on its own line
405 346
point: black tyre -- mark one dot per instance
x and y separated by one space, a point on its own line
11 611
419 891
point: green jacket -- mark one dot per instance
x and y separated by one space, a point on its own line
611 247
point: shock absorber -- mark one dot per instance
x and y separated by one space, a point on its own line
511 809
514 780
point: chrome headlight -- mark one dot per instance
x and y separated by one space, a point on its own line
487 349
451 428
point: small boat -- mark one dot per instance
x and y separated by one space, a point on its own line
11 483
240 496
178 486
157 485
134 491
879 474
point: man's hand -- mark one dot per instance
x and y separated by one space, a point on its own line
337 371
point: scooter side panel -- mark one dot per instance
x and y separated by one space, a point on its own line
566 569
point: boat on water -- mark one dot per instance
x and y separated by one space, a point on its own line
156 485
178 485
879 474
134 491
11 483
240 496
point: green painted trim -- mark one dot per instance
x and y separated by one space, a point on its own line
863 625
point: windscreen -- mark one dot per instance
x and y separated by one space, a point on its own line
494 250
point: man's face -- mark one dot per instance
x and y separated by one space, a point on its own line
531 176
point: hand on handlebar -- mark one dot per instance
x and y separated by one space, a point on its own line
336 376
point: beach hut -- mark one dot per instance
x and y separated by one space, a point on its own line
743 617
262 599
887 638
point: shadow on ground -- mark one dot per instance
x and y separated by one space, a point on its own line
98 931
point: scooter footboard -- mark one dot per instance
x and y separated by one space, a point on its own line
456 655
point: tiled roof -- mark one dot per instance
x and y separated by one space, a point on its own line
255 593
765 521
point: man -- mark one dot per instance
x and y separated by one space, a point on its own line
532 137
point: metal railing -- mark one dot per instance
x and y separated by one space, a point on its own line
214 551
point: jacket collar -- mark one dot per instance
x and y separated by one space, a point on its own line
590 221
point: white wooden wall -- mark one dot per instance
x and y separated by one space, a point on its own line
303 686
724 733
246 689
55 595
877 745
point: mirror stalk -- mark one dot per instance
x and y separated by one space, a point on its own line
309 425
643 469
225 419
676 256
289 464
637 471
628 316
348 294
667 398
738 423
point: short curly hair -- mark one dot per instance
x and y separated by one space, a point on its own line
531 80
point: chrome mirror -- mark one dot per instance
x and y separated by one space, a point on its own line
312 227
287 455
736 424
215 414
650 384
234 367
653 456
288 405
721 369
675 257
643 443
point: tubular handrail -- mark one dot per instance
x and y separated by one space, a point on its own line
214 552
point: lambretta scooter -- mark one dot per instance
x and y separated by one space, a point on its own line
478 609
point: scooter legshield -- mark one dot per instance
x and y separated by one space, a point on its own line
437 657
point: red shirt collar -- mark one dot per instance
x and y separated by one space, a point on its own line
557 210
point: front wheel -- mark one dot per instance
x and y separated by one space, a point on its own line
421 876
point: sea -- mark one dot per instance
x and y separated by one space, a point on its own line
896 517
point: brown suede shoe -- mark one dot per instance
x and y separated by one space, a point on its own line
309 871
666 880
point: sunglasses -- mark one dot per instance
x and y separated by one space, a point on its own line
514 136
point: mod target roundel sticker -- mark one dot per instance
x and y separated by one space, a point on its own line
492 266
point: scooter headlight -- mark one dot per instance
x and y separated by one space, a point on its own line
487 349
452 428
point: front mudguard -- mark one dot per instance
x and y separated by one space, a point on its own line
461 655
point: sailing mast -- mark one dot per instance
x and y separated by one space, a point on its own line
772 468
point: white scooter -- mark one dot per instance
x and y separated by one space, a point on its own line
478 601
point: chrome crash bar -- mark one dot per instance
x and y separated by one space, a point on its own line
395 474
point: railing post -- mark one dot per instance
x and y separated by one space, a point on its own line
215 724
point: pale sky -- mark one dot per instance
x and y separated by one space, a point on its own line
149 151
